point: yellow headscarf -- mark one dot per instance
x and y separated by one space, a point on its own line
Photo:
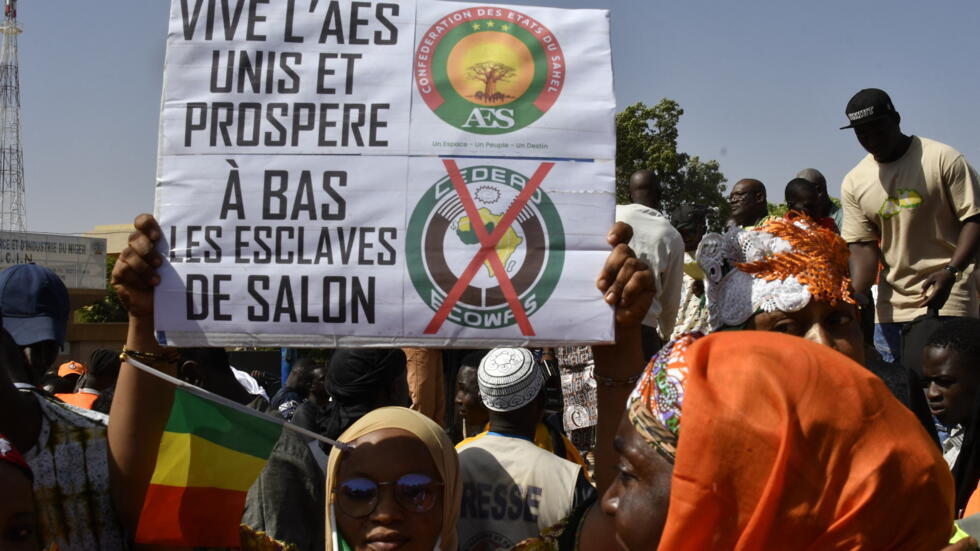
439 446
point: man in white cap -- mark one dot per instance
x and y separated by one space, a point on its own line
513 489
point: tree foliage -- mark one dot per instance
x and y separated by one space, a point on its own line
646 138
109 308
778 209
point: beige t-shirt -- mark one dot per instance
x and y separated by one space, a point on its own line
915 206
512 490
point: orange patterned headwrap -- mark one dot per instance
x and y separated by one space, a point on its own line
817 258
787 444
780 265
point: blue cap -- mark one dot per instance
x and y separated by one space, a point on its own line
34 303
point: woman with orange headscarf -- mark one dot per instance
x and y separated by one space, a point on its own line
736 441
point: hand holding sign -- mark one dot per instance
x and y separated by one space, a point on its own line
135 273
625 281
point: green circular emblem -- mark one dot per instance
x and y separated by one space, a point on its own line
489 70
441 243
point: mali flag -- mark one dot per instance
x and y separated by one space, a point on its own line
210 454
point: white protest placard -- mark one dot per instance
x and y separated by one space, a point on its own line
301 206
78 261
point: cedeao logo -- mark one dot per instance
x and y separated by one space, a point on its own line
441 241
489 70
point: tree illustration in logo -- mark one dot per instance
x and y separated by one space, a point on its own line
490 73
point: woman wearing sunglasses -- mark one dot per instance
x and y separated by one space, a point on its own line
397 489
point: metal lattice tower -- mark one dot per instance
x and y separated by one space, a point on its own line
13 214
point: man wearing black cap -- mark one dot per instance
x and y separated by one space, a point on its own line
920 200
34 302
66 447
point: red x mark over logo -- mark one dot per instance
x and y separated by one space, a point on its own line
488 248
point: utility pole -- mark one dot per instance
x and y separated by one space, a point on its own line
13 213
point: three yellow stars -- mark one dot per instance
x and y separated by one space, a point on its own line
490 24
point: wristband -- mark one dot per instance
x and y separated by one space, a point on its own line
168 356
953 270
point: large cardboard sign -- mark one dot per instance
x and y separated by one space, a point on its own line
380 173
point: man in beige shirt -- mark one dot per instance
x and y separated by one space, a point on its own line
914 204
661 248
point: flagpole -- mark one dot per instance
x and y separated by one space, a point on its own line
342 446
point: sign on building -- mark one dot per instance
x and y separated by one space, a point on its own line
78 261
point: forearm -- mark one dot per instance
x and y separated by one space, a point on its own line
140 409
967 245
425 381
619 362
864 265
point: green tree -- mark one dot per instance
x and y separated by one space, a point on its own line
109 308
778 209
646 138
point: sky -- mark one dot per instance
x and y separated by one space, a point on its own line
763 85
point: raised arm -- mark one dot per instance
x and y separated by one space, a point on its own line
142 402
627 283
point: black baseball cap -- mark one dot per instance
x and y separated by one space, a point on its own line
868 105
35 304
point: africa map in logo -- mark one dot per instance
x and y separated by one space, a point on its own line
489 70
455 259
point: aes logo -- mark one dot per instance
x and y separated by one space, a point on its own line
489 70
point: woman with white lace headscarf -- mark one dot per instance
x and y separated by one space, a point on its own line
790 275
787 275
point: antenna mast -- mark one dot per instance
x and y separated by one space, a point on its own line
13 214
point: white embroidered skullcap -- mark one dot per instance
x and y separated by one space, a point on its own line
509 379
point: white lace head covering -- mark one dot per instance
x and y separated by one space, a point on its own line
509 379
801 260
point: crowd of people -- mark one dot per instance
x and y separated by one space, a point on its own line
800 381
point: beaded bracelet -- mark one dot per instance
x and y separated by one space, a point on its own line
617 381
168 356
